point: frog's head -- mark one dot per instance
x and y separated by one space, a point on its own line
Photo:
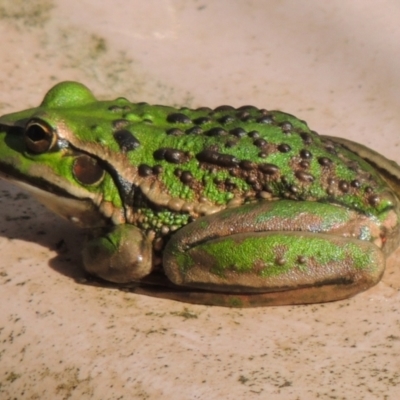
55 151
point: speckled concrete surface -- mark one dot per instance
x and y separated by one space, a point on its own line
335 64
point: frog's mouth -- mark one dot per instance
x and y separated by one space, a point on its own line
80 211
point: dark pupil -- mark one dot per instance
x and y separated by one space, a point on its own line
36 133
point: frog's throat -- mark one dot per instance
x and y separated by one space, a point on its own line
81 212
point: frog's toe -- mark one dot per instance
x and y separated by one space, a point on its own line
123 255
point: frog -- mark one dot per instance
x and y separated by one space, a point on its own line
237 207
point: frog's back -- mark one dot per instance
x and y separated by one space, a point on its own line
207 159
229 156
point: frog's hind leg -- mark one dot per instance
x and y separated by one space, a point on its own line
270 268
275 253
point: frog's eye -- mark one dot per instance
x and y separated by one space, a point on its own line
87 170
39 137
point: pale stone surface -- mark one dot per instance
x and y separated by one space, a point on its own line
335 64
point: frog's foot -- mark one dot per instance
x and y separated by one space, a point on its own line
277 255
122 255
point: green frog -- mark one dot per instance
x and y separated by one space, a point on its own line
225 206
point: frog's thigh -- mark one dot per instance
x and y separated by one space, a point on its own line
292 252
120 255
326 267
301 267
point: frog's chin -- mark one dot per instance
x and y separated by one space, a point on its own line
81 212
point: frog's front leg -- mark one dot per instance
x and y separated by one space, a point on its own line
122 254
283 252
